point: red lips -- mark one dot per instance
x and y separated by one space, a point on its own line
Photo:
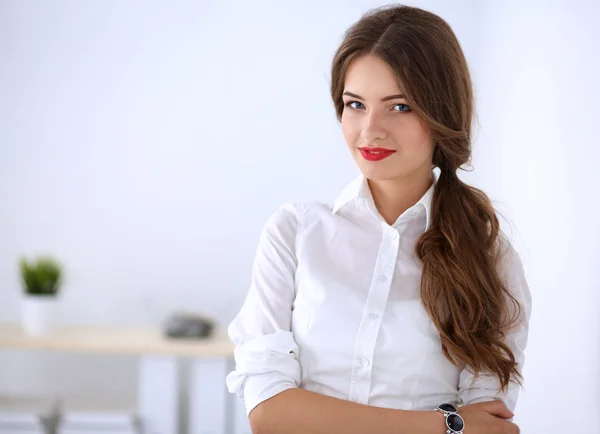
375 154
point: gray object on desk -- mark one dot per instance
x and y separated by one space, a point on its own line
188 326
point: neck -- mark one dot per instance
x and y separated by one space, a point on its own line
393 197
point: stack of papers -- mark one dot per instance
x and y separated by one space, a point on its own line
28 414
98 416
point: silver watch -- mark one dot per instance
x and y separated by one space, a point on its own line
454 422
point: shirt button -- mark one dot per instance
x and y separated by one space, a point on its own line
366 363
383 278
373 315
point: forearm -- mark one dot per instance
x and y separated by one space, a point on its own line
298 411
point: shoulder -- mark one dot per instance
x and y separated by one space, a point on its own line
509 259
288 221
294 215
512 271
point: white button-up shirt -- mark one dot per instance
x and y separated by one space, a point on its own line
334 307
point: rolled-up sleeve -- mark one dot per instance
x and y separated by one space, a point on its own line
266 354
486 387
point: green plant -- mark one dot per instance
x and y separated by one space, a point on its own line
41 277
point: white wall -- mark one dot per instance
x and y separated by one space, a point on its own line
537 155
146 143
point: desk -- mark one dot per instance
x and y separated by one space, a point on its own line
158 382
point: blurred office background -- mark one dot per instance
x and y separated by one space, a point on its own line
145 143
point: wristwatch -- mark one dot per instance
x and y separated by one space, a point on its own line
454 422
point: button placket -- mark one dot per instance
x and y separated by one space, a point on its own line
364 349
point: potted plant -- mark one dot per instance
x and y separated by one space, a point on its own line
41 285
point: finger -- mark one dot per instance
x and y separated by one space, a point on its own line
499 409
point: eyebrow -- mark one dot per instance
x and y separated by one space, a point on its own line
386 98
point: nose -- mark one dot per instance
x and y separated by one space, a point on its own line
372 128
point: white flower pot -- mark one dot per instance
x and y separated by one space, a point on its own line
38 314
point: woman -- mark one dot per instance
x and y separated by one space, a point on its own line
402 301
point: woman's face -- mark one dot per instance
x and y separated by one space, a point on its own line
387 140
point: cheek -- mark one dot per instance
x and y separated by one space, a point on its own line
411 134
349 128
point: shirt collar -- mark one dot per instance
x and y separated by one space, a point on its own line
359 190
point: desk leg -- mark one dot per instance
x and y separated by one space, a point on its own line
158 394
241 423
208 410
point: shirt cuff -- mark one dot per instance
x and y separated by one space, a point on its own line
487 388
265 366
259 388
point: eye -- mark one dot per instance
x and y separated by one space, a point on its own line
402 108
354 104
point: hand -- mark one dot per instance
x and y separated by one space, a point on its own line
488 418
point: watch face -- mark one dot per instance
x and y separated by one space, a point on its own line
455 423
448 407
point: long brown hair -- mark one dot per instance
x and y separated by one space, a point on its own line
461 287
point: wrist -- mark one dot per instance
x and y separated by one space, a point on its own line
439 420
428 422
454 422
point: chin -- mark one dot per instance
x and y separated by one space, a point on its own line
378 173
